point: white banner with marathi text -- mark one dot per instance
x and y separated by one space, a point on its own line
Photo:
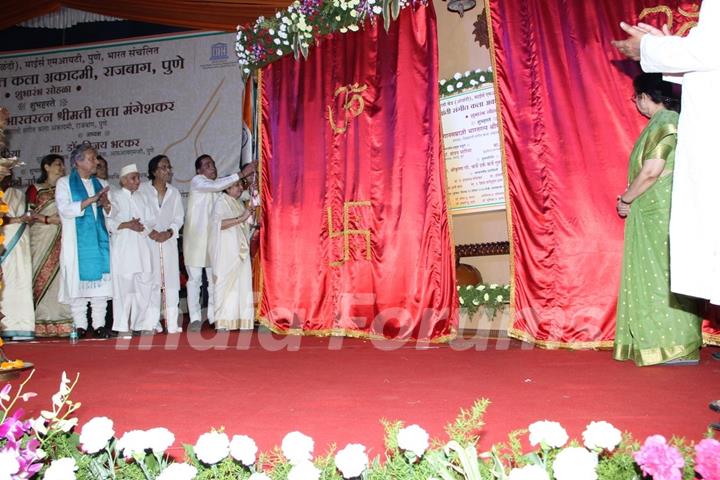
175 95
473 159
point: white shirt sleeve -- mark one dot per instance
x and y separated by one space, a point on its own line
698 52
63 199
201 183
178 214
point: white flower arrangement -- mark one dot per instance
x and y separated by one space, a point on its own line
133 442
547 434
528 472
178 471
96 434
490 296
159 439
469 80
258 476
243 449
9 464
304 470
61 469
575 463
212 447
297 447
413 439
352 460
601 436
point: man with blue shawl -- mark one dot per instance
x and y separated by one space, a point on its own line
83 204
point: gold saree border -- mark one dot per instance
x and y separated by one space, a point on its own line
711 339
644 357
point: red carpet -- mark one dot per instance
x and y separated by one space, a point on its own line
337 389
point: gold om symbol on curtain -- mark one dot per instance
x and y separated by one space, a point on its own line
351 105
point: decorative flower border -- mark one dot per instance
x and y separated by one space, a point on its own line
301 25
489 295
469 80
47 447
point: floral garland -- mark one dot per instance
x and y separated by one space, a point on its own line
470 80
48 448
296 28
489 295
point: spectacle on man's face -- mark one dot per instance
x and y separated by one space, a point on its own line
164 171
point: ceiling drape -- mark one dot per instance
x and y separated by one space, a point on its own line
193 14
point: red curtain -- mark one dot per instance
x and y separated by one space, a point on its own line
568 125
356 238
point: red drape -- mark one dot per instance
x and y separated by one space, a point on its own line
568 126
351 143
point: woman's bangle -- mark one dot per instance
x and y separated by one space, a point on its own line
45 219
623 201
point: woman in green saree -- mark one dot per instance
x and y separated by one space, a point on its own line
654 326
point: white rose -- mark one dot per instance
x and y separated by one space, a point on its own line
212 447
178 471
551 434
457 76
134 441
528 472
304 470
297 447
450 88
601 435
351 460
413 439
95 434
258 476
575 463
9 464
160 439
243 449
61 469
377 10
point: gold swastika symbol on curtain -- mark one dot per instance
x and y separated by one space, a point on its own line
352 106
347 232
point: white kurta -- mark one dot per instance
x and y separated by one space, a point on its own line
70 285
131 262
231 267
694 229
203 193
16 300
166 266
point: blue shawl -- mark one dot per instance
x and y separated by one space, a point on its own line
93 247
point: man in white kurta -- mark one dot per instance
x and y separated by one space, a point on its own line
75 291
16 299
167 216
694 229
135 294
204 190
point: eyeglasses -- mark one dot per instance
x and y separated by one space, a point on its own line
636 96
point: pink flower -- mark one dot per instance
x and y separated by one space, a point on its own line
660 460
707 458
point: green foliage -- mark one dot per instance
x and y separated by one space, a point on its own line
489 295
460 82
467 427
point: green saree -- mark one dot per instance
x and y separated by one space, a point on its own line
653 324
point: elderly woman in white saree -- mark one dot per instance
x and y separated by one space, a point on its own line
229 254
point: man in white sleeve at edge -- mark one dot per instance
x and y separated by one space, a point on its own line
204 189
694 61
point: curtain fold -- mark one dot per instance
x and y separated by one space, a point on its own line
357 239
569 125
195 14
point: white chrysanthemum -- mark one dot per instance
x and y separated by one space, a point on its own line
528 472
304 470
134 441
499 298
258 476
601 435
377 10
575 463
413 439
551 434
61 469
212 447
352 460
160 439
297 447
9 464
450 88
178 471
480 288
243 449
95 434
457 76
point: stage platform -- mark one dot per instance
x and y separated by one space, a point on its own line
337 389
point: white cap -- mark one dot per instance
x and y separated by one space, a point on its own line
132 168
